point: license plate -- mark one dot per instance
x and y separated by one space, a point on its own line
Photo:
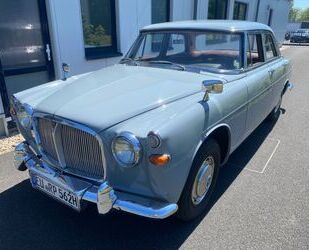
56 192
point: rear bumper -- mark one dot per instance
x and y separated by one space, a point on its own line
103 195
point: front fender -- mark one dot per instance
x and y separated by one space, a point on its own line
180 126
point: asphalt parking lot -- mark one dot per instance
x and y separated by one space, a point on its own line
261 201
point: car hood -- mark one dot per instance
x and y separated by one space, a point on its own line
113 94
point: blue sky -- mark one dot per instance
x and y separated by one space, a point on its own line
301 4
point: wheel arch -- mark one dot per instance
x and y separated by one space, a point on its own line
222 134
286 85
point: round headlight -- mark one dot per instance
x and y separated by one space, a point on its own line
24 116
126 149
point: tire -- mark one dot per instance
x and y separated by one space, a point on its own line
189 204
22 166
275 113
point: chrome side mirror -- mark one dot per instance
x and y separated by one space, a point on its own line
212 86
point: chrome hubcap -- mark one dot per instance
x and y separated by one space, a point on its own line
203 180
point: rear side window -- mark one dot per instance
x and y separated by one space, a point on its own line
254 52
269 46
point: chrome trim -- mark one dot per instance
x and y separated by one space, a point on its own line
212 86
20 156
63 121
203 181
137 147
105 198
290 86
101 194
141 210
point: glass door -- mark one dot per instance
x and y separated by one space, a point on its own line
25 50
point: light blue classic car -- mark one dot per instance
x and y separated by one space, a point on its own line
148 135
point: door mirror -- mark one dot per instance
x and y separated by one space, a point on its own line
66 70
212 86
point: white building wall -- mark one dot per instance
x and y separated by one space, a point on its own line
67 33
182 10
251 9
132 16
280 16
1 106
202 10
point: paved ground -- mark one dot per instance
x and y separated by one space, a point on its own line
262 200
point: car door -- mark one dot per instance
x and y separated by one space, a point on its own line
258 82
277 67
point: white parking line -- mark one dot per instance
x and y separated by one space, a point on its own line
271 156
266 164
284 48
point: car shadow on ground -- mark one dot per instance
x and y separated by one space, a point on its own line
29 219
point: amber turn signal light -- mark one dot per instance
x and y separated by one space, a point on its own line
160 160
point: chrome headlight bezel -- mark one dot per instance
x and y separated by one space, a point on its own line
22 113
133 143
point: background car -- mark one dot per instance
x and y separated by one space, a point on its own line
300 36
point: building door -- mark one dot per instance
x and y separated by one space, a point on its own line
25 51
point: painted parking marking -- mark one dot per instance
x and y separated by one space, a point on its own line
284 47
255 161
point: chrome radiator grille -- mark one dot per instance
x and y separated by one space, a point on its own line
45 129
80 152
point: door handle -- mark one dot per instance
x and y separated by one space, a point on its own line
48 52
271 72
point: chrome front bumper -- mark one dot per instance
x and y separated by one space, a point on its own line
103 195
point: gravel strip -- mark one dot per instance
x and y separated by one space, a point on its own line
7 144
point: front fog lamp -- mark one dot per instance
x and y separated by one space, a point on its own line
126 149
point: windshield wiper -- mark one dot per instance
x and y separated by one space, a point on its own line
181 67
129 59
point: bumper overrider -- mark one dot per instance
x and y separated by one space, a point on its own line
103 195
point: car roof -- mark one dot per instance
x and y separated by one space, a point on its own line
225 25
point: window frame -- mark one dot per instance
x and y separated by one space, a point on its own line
260 32
168 11
242 44
217 11
239 3
270 17
275 47
101 52
260 49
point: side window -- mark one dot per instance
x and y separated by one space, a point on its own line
176 44
254 52
269 46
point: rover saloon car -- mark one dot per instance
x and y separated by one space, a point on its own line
149 134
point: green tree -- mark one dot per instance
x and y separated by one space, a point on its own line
298 15
304 15
294 14
95 35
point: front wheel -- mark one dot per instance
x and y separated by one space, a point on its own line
201 182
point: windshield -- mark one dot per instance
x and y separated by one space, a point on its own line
193 50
